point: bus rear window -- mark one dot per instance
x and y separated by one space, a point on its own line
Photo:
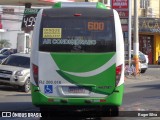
75 34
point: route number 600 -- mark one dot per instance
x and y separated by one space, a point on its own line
95 25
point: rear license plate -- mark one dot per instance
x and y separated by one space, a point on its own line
74 89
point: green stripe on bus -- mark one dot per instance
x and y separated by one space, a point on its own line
81 62
102 83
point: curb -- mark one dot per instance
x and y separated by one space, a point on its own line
153 66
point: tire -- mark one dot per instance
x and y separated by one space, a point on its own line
112 112
26 87
115 111
143 71
45 114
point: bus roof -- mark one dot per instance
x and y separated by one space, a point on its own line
80 4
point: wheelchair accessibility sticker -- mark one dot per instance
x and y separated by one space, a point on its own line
48 89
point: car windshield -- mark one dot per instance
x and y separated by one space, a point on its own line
3 50
6 53
141 56
19 61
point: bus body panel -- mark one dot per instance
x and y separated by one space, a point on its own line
66 71
80 4
120 44
35 44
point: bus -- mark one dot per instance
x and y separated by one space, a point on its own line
77 58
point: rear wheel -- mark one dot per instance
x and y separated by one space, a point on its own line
112 112
115 111
45 114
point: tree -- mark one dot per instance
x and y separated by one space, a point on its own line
4 43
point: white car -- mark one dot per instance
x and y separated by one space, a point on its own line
4 50
143 61
15 70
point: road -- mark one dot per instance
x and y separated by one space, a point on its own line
141 94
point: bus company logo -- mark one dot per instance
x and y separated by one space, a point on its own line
6 114
48 89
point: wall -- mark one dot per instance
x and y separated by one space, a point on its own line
156 48
154 4
11 24
155 7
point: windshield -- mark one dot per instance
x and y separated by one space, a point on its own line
19 61
6 53
3 50
75 34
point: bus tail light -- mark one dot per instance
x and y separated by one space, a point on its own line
35 73
118 73
77 14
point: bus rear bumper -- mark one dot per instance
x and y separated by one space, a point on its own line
39 99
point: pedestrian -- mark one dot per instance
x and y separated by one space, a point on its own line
158 60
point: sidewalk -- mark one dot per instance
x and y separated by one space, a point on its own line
142 78
153 66
139 79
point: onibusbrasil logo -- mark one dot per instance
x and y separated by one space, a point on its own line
21 114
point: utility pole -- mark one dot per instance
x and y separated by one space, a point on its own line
136 38
159 8
129 32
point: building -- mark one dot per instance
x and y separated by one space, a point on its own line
11 17
149 28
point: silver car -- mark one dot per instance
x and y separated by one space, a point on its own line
15 70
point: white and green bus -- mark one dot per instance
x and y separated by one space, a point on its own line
77 58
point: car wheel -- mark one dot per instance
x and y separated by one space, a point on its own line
26 87
143 71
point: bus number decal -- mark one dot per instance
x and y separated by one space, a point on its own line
53 82
49 82
52 32
96 26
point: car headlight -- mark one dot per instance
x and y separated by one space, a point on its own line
20 73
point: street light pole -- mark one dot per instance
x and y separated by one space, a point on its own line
129 32
136 38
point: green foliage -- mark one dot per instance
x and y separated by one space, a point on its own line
4 43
